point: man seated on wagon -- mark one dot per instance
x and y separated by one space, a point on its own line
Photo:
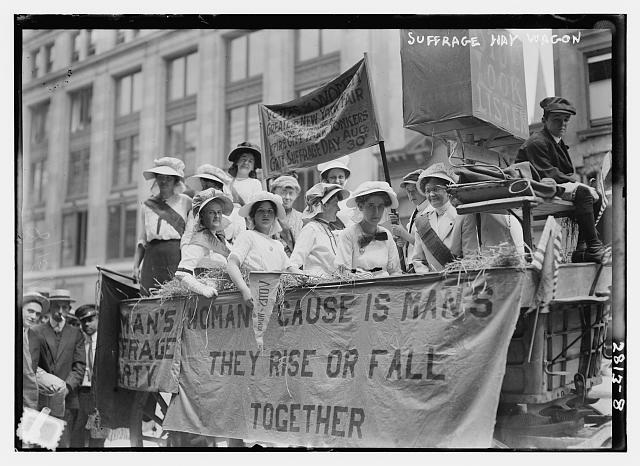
549 155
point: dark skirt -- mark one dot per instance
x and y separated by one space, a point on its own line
161 259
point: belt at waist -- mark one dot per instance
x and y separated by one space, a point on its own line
157 241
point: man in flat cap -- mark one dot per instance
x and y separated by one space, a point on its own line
59 350
549 155
87 314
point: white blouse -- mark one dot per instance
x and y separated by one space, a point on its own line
382 254
315 249
156 228
195 256
259 253
245 187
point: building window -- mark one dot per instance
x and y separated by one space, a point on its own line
39 123
38 180
34 253
34 63
243 125
246 56
599 69
181 143
129 94
75 46
125 161
74 238
49 50
81 110
121 238
91 45
314 43
183 77
78 175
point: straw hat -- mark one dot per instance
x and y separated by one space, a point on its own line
35 297
165 166
370 187
247 147
209 172
263 196
285 181
204 197
340 162
61 295
437 170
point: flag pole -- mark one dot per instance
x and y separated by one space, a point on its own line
387 178
383 155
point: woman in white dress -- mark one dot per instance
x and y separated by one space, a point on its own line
164 217
316 247
337 171
365 246
288 189
207 247
255 249
246 163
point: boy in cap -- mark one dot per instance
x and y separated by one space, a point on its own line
59 350
549 155
87 314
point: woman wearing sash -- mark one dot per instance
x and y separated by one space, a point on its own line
316 247
207 247
365 246
255 249
246 163
288 189
164 217
442 235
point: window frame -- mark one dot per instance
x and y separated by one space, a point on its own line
321 54
122 204
75 42
184 96
132 162
81 215
84 160
48 63
596 123
84 94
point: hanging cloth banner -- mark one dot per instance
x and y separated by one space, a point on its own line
264 288
411 362
334 120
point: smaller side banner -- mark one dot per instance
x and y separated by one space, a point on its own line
334 120
264 288
149 344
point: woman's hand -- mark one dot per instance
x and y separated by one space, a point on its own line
247 298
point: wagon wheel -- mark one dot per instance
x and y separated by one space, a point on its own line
147 404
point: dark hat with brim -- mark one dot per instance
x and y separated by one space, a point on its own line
85 311
247 147
557 105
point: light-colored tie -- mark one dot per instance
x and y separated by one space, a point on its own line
90 357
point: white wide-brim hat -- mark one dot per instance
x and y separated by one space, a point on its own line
437 170
260 197
370 187
202 198
165 166
210 172
35 297
285 181
61 295
324 192
340 162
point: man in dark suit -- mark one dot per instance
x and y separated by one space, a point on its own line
87 315
549 155
59 349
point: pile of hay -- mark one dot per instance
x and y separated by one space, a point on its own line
503 255
217 277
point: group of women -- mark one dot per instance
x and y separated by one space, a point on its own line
233 222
